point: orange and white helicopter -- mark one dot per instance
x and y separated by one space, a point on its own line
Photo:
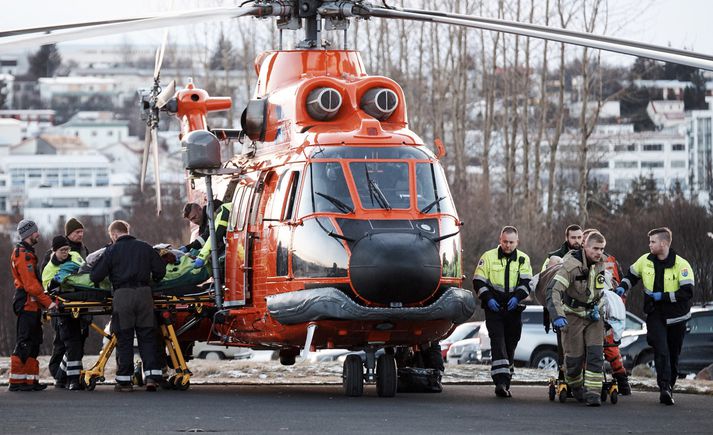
343 232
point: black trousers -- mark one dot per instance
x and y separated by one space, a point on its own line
29 335
133 313
504 329
666 340
67 348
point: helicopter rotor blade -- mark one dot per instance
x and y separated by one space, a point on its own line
145 159
584 39
159 56
166 94
47 29
154 146
90 29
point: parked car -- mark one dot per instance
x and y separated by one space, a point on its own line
697 350
202 349
462 332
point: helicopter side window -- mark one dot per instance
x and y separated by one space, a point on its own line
432 189
290 205
315 253
236 207
382 184
325 190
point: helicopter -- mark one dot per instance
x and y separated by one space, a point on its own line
343 231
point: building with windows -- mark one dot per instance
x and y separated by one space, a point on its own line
700 141
48 187
96 129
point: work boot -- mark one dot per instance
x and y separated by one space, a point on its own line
666 396
38 387
20 387
124 388
578 393
593 399
151 385
74 386
501 391
622 381
60 384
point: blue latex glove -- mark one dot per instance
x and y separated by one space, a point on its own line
559 322
183 249
620 291
57 278
198 263
594 314
494 305
657 296
512 303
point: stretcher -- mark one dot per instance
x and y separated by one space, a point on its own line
191 303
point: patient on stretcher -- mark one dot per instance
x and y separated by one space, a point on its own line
181 277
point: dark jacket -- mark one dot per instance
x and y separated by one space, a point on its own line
129 262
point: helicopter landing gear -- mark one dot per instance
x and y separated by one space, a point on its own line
380 371
353 376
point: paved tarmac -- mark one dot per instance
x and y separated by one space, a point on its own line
324 409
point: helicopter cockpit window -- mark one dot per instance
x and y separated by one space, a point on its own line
325 190
382 184
317 254
372 153
432 189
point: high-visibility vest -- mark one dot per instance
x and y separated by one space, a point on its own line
674 277
491 270
222 217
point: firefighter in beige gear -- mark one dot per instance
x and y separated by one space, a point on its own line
502 280
28 303
573 298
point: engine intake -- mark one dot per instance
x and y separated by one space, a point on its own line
323 103
379 103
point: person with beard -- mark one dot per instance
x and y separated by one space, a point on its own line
68 345
28 303
573 236
74 232
668 290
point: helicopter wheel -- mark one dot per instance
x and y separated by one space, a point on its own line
353 376
386 376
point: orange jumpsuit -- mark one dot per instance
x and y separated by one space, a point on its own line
28 302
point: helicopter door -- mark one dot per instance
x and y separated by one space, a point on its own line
237 253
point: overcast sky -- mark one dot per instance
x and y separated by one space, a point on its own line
678 23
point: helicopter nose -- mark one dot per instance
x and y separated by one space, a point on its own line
394 268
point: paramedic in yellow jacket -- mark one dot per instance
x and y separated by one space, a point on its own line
68 330
668 290
501 281
573 298
222 218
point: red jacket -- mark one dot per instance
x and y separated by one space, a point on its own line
24 272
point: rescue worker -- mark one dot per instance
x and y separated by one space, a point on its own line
198 215
573 301
27 304
69 335
501 281
74 232
668 288
222 217
572 240
131 265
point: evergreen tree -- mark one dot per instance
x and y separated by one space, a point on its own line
45 61
224 56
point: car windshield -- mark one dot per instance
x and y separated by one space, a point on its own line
462 331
